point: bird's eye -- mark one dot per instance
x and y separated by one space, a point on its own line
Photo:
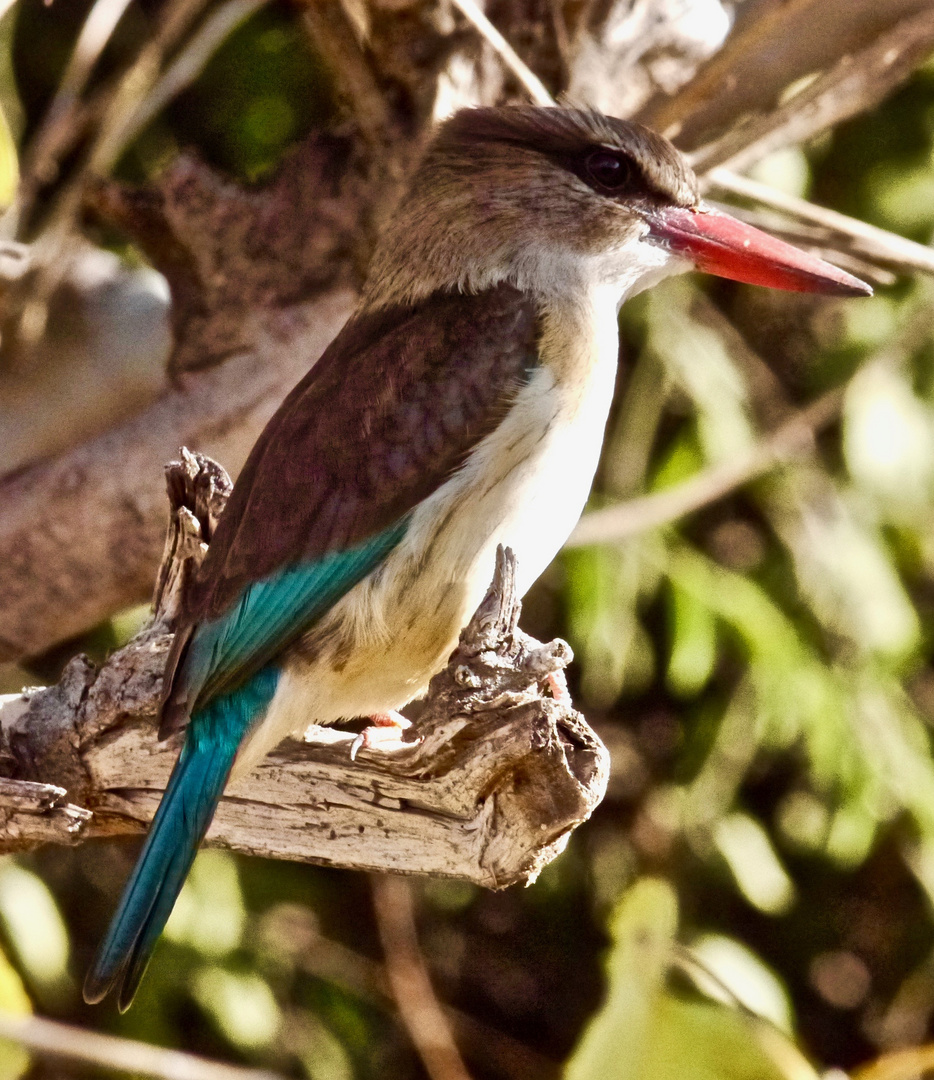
609 170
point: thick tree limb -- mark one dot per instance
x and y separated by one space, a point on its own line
94 518
489 793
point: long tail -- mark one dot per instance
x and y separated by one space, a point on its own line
181 821
183 817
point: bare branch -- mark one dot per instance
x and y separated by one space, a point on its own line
58 127
48 1038
190 62
772 47
789 440
322 957
854 84
419 1008
532 83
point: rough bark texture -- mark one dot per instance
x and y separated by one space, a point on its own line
496 777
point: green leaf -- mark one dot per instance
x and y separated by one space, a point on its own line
646 1032
694 644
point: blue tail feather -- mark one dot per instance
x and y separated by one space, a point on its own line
191 797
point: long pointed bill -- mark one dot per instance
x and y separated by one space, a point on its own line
722 245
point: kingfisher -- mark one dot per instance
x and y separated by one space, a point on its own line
462 406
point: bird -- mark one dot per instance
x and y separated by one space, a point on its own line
462 406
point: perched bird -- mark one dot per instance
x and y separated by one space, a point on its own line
462 406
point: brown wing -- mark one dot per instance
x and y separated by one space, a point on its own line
391 409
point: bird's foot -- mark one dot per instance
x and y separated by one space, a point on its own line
384 732
558 685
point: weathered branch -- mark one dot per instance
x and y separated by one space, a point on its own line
94 519
855 83
498 778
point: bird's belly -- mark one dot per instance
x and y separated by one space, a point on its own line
524 486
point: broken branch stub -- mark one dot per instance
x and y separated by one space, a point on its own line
497 776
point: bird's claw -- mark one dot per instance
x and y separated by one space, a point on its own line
558 685
384 733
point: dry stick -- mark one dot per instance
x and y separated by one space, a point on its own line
411 984
47 1037
532 83
852 85
330 960
189 63
56 243
906 1064
794 437
330 28
56 132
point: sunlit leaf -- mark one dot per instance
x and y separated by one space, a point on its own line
242 1005
209 913
754 864
646 1032
694 644
14 1060
740 975
33 924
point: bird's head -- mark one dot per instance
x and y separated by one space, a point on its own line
556 199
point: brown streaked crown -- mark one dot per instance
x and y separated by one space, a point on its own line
569 136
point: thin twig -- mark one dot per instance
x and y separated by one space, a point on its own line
333 34
420 1010
324 958
906 1064
532 83
887 247
126 1055
852 85
790 439
60 123
190 62
55 248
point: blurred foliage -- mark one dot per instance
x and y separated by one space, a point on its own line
760 670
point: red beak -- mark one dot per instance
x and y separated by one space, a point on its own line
722 245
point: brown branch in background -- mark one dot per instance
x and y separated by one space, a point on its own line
771 48
189 63
62 121
62 1041
853 85
419 1008
295 928
357 76
57 245
510 58
790 439
81 535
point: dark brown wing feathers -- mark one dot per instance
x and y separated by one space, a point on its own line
391 409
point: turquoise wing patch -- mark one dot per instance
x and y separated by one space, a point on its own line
272 612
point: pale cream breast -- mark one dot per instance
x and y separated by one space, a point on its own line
524 486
